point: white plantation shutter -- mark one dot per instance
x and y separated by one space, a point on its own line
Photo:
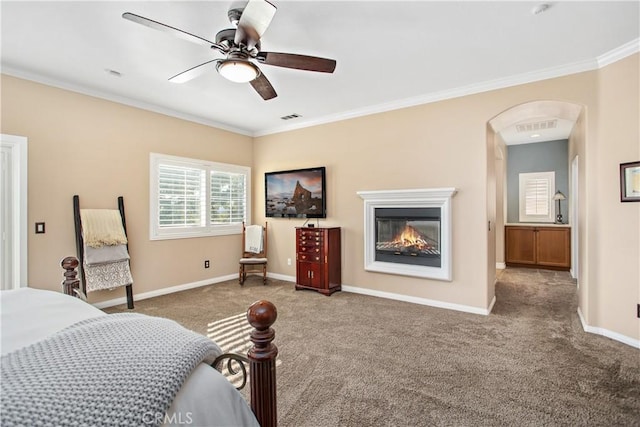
228 197
536 190
193 198
537 197
181 196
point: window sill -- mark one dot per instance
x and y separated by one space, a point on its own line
191 234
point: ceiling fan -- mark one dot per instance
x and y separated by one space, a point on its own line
241 48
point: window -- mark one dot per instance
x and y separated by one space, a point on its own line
196 198
536 190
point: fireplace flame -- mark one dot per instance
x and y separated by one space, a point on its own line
410 237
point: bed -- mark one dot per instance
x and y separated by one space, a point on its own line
64 361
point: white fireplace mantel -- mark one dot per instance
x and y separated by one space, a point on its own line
418 198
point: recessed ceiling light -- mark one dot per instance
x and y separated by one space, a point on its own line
543 7
535 135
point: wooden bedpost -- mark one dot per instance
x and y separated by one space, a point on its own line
71 281
262 363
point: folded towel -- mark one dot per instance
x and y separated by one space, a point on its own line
253 239
102 227
105 254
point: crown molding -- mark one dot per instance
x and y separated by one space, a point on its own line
83 90
601 61
619 53
473 89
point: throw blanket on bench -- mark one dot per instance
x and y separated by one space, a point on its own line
119 369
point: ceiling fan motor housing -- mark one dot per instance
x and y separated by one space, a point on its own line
226 38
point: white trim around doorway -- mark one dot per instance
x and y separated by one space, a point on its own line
17 146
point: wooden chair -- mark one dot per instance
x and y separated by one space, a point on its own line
253 258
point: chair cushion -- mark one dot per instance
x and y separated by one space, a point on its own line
253 260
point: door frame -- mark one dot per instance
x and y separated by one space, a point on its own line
18 196
574 217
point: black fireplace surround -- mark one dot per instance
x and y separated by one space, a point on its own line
408 236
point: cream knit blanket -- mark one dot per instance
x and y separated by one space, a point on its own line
102 227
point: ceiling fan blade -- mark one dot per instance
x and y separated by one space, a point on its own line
263 87
191 73
298 62
254 21
171 30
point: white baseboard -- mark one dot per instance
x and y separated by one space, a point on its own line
501 265
184 287
281 277
493 302
165 291
607 333
418 300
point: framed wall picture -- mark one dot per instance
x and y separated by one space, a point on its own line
630 182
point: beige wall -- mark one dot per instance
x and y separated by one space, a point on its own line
412 148
614 268
100 150
443 144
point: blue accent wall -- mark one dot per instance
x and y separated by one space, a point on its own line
537 157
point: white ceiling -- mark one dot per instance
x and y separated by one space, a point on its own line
390 54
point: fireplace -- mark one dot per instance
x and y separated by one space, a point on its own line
408 236
408 232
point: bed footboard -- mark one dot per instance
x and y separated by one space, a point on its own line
71 283
261 357
262 362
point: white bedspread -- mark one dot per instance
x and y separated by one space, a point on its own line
206 399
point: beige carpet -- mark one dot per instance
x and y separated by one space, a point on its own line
353 360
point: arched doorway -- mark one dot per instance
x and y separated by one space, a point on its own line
535 121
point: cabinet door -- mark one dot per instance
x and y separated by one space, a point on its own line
554 248
310 274
520 243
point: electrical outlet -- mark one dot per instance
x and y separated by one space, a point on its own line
288 261
206 263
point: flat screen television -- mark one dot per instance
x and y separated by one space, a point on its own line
298 193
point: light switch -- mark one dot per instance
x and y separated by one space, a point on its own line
39 227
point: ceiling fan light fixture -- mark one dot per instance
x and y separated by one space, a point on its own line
238 71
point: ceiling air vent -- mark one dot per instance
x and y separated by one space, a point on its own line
530 127
291 116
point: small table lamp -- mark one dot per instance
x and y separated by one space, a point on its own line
558 196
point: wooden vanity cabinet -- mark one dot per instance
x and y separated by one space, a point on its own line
538 246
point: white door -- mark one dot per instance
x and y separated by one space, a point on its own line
13 212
